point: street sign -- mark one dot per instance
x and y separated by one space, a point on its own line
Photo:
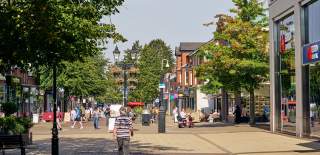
162 85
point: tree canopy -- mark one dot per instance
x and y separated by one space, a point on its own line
52 31
149 65
238 55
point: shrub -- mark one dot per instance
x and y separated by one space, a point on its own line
9 108
138 110
12 125
25 122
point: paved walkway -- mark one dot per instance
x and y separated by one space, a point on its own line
203 139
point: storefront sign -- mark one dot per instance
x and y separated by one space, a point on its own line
311 53
162 85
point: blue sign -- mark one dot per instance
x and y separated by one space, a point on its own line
311 53
162 85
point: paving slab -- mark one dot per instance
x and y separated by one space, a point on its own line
261 143
172 143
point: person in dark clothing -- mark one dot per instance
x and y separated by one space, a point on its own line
237 113
107 114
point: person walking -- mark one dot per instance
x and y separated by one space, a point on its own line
96 118
122 131
107 115
78 118
73 115
237 113
175 115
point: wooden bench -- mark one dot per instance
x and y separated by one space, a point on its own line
12 142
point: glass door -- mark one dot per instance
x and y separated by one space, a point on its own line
287 83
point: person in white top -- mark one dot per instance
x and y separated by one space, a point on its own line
73 115
175 114
183 114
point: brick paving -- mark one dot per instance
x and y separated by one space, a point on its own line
204 139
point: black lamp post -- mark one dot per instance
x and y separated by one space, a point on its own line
55 137
125 66
162 109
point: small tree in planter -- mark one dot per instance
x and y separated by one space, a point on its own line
11 125
9 108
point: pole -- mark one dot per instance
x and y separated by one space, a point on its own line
55 138
125 98
169 94
162 116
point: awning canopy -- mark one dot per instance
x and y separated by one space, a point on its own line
135 104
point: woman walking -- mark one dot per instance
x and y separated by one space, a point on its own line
96 118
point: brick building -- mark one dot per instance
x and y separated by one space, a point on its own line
185 75
23 89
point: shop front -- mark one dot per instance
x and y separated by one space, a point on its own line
294 66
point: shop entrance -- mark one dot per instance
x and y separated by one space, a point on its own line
314 99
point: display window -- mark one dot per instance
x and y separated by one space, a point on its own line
287 74
312 26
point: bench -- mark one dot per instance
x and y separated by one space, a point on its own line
12 142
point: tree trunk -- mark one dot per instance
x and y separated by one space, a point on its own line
224 106
66 101
237 95
252 108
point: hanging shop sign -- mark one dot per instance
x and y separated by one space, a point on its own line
162 85
311 53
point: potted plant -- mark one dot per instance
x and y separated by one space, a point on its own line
11 125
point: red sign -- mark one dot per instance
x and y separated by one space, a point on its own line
282 44
135 104
309 54
48 116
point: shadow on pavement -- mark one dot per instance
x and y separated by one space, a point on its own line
206 124
94 146
137 146
314 145
263 126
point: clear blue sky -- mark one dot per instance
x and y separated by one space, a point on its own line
173 21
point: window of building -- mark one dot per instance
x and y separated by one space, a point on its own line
286 70
312 26
313 22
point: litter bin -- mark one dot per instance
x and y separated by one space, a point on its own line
146 116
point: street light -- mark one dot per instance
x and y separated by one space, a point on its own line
125 66
162 110
116 54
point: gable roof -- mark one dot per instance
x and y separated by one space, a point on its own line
190 46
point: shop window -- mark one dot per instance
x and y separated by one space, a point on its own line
287 84
313 22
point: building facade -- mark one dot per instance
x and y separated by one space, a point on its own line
185 76
22 88
294 68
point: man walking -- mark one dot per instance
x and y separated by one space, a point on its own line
122 131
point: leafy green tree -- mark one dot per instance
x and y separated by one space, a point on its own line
80 78
149 65
238 57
